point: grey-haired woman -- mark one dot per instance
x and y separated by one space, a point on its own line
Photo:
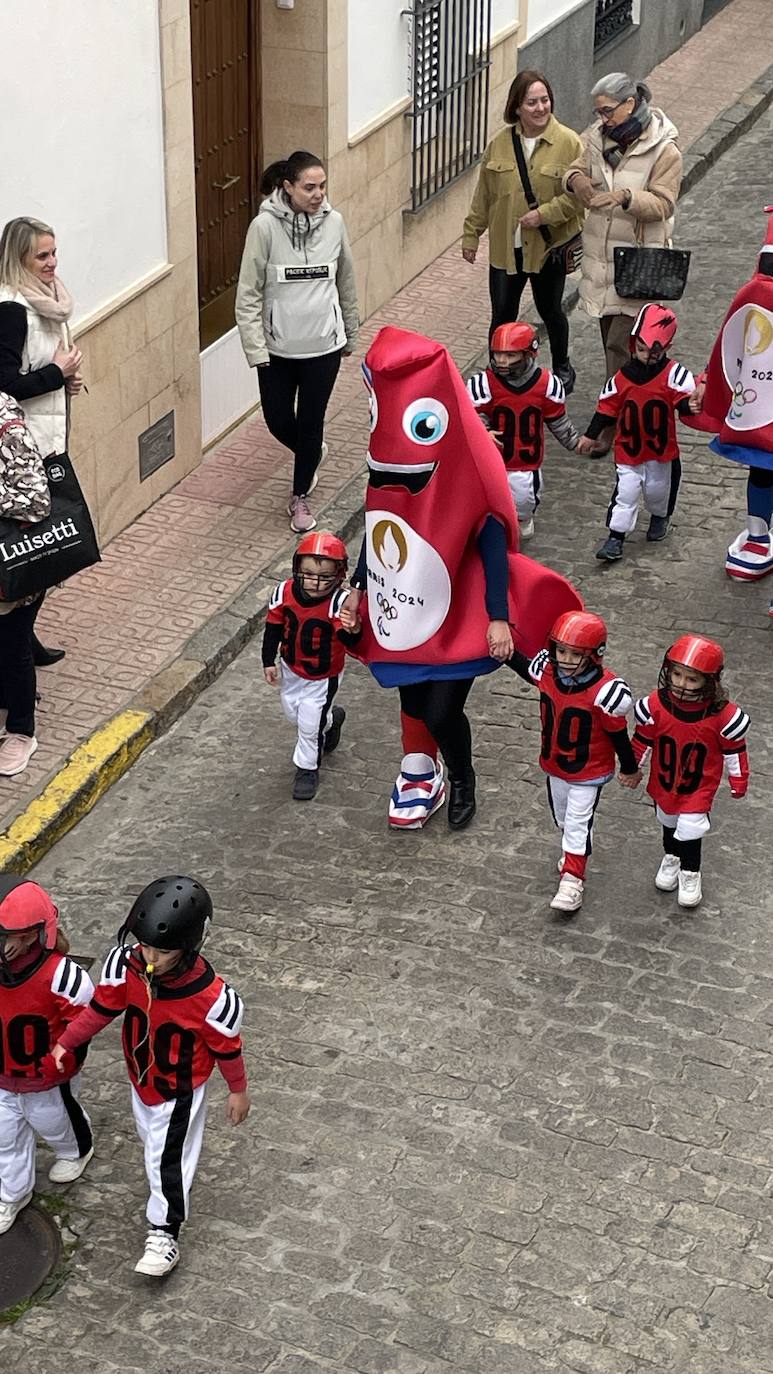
628 177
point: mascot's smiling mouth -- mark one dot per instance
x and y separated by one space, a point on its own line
413 476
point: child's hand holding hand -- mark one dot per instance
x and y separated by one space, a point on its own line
59 1054
585 445
271 675
631 780
499 639
695 403
349 612
237 1108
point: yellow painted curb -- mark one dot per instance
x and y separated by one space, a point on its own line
91 768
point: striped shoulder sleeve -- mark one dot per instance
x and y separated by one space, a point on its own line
478 389
736 726
608 390
115 967
614 698
642 712
336 602
554 389
227 1012
72 983
277 596
681 379
538 665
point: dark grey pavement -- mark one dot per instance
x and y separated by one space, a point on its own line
482 1139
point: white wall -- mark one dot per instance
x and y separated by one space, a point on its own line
378 58
542 13
504 13
83 137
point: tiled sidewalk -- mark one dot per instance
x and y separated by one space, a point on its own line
187 557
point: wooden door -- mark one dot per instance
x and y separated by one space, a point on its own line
226 130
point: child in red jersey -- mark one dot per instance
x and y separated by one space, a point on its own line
303 625
696 735
180 1019
517 399
583 708
40 993
640 402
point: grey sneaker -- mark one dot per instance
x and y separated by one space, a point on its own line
306 784
301 518
611 549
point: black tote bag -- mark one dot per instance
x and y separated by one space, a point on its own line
37 555
651 273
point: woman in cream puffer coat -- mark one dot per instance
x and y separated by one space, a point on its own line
628 177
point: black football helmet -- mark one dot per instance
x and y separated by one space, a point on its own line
170 913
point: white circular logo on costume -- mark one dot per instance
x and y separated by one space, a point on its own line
409 588
747 362
56 473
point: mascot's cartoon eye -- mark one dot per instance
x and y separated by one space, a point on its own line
373 410
425 421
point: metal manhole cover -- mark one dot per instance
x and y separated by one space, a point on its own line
28 1253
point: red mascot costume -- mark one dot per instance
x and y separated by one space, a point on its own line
440 566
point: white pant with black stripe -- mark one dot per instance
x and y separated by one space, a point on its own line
526 489
650 482
172 1135
573 806
307 703
56 1116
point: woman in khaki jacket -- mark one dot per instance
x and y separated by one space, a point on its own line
517 249
628 177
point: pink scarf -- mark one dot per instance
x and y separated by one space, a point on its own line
54 302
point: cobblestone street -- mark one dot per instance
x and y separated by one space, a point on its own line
482 1139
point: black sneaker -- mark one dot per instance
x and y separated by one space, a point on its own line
334 733
611 549
659 525
566 375
306 784
461 804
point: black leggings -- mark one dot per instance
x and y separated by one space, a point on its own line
17 669
294 393
548 288
440 705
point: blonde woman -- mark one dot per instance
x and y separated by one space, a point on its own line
38 361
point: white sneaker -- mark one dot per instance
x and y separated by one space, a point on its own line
161 1255
15 753
67 1170
569 895
667 876
526 529
9 1211
301 518
322 456
690 890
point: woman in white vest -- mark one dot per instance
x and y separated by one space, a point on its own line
628 177
38 361
296 308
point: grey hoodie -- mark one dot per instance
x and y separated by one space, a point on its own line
297 295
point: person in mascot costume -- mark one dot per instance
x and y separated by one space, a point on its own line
738 409
448 595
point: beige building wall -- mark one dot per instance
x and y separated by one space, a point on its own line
305 50
141 351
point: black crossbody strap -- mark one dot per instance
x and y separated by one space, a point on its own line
523 172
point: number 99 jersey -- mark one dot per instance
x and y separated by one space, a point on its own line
690 750
644 411
519 415
578 722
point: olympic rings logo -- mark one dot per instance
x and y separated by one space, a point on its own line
386 606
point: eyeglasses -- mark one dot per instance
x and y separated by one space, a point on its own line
606 111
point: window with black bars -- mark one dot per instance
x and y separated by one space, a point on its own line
450 60
613 17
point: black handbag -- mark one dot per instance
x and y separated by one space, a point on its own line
567 255
650 273
36 555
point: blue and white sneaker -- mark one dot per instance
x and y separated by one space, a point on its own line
418 793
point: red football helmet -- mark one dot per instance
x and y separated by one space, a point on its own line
24 906
704 656
580 630
654 326
515 337
323 545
